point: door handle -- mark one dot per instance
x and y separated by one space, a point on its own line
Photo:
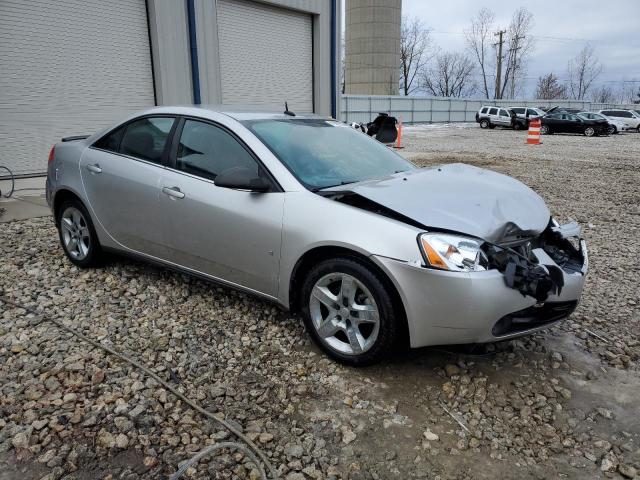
95 168
173 192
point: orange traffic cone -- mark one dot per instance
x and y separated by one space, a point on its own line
533 136
399 139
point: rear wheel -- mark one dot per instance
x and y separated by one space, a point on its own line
349 311
589 131
484 123
77 235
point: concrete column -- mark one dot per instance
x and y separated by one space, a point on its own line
372 47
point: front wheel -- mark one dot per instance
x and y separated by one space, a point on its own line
612 130
545 130
349 311
589 131
77 235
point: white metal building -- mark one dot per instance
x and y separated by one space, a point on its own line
73 67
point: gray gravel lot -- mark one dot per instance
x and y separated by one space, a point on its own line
563 403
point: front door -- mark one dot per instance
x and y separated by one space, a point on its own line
121 174
233 235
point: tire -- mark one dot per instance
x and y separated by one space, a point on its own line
517 126
484 123
545 130
334 321
78 236
589 131
612 130
638 129
491 127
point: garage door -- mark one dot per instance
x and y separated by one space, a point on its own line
68 68
265 55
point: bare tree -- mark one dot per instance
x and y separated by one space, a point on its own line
582 71
604 94
520 44
416 49
478 37
450 76
550 88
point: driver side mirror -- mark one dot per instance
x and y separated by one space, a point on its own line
242 178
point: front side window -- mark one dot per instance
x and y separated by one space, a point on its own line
519 111
146 138
206 151
504 113
532 112
624 114
326 153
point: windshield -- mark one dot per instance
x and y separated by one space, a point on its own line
325 153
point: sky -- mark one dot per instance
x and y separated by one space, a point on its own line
561 29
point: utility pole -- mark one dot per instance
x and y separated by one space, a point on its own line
499 62
513 55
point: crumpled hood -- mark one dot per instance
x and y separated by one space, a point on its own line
461 198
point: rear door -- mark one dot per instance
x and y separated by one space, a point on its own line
504 119
121 174
233 235
493 115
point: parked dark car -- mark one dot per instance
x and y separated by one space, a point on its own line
570 123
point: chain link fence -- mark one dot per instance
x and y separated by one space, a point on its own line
364 108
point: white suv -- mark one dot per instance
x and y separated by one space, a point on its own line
627 116
491 117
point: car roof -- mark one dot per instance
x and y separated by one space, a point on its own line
237 112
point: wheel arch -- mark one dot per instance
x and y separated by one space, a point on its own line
325 252
59 197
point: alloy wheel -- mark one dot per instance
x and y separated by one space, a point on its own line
75 233
589 131
544 130
344 313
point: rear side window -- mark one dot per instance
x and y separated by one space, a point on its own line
493 111
146 138
484 110
206 151
110 142
609 113
531 112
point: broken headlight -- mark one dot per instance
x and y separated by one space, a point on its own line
452 252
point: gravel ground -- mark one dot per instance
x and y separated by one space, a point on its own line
562 403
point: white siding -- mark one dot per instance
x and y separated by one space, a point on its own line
266 55
68 68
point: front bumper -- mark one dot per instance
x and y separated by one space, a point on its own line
445 307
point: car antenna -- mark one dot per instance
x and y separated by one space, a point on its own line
287 111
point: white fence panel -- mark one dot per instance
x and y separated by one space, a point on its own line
364 108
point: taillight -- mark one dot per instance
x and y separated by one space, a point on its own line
52 154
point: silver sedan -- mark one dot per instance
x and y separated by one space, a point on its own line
304 211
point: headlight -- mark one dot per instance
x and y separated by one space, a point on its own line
452 252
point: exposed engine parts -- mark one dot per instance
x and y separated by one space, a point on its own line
524 267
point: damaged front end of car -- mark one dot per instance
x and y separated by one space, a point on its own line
537 266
